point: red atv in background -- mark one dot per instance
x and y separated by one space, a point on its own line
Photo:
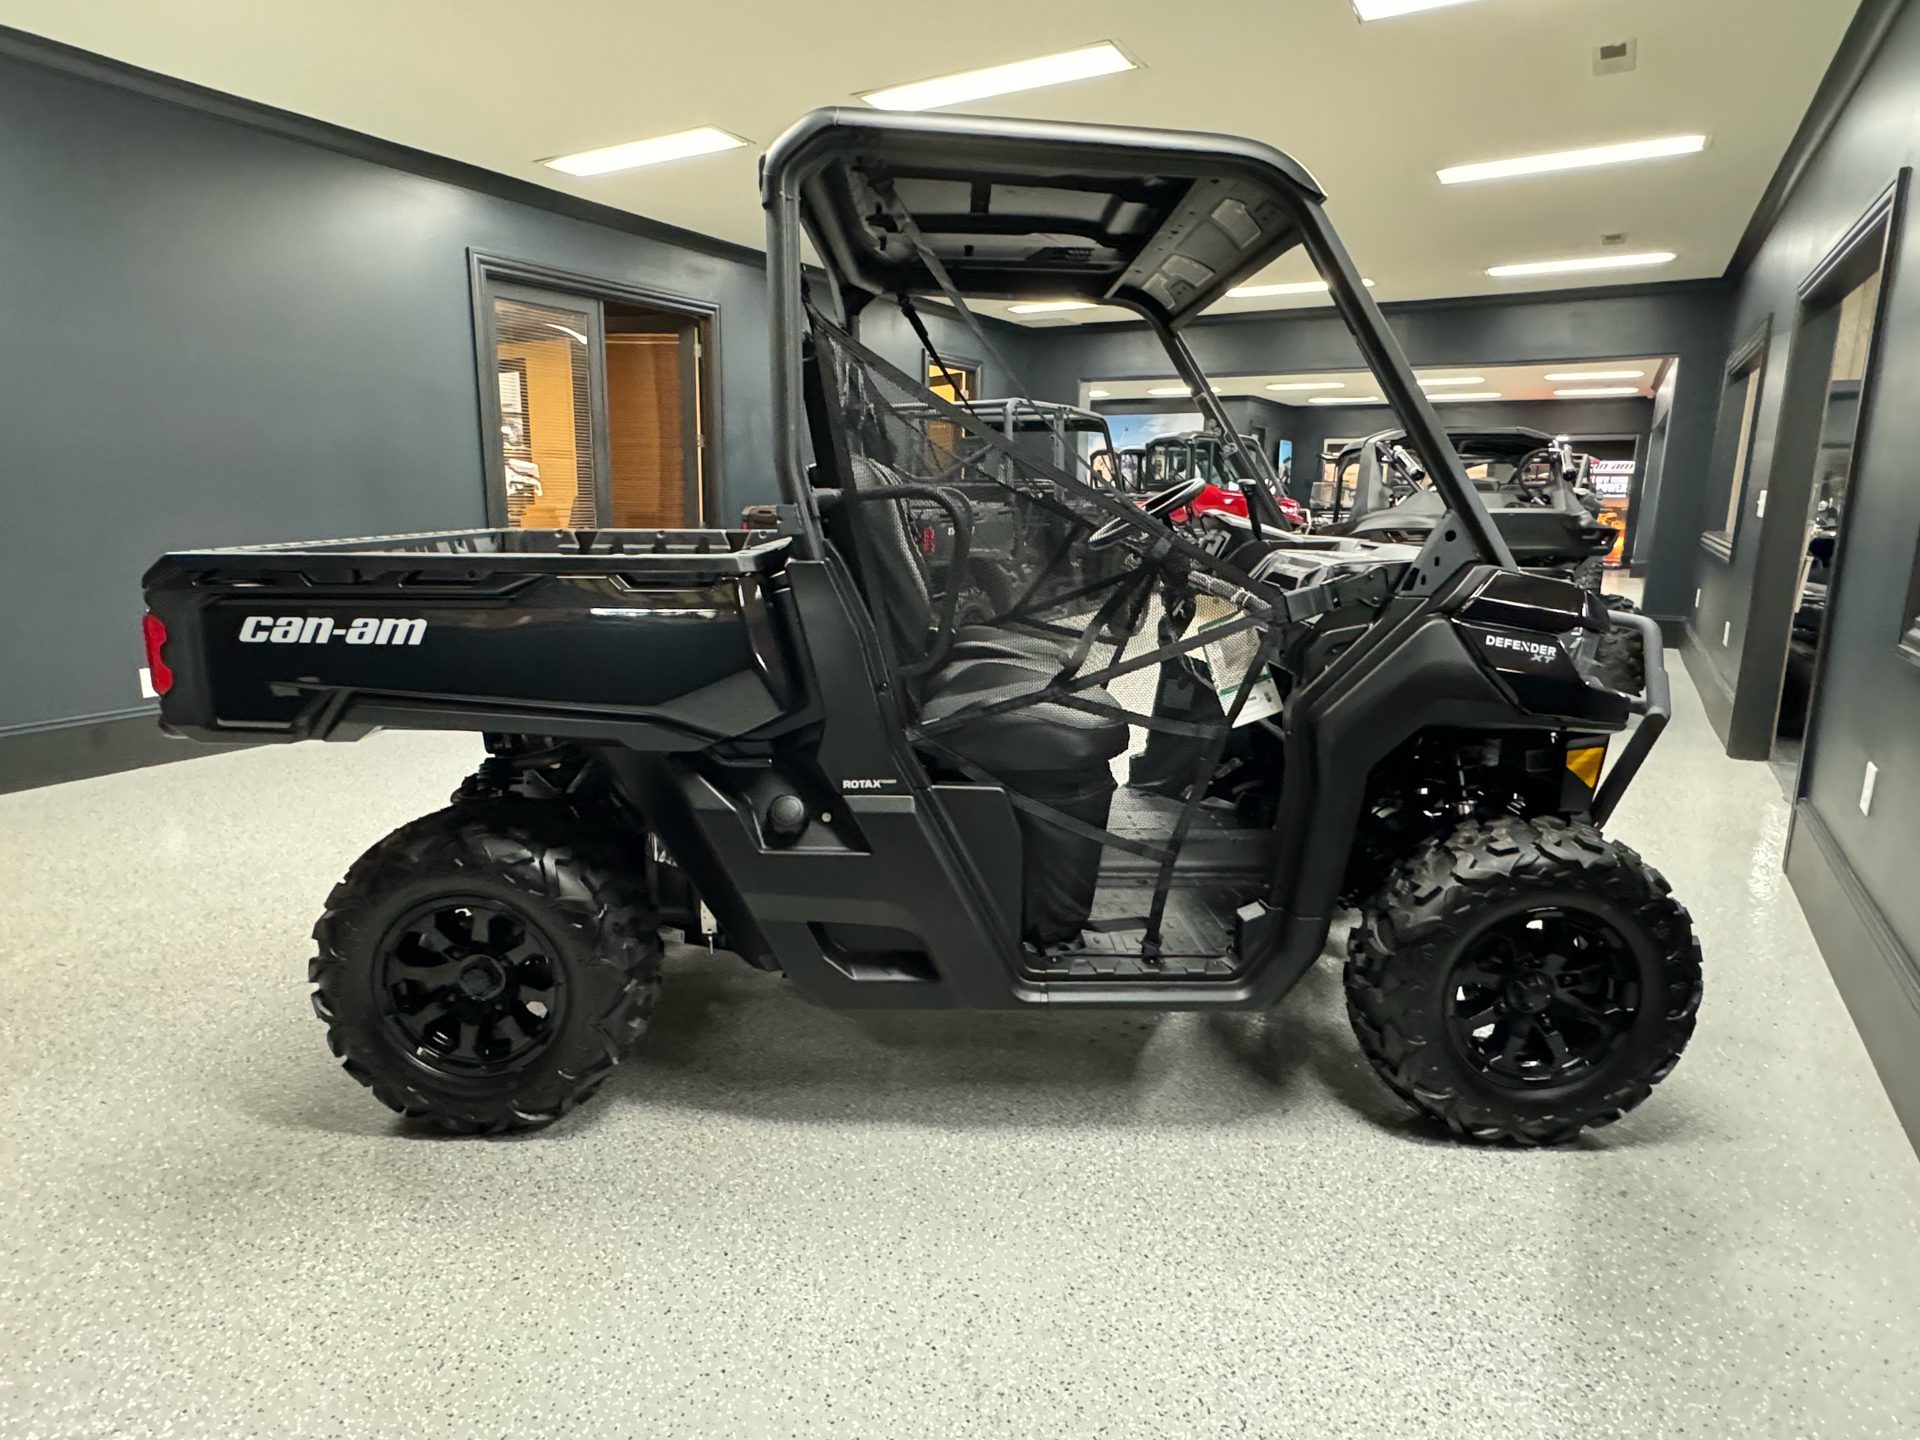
1202 455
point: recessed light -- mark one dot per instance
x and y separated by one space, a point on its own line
1386 9
1098 394
1575 159
1049 307
1597 375
1170 390
1083 64
631 156
1427 381
1466 395
1595 392
1346 400
1585 262
1294 287
1311 385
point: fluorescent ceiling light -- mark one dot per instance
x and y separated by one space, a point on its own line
1346 400
1595 392
1295 287
1311 385
1170 390
1102 59
635 153
1467 395
1387 9
1048 307
1575 159
1597 375
1587 262
1098 394
1427 382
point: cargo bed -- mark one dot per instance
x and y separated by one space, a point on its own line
658 639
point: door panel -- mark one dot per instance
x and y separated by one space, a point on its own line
645 446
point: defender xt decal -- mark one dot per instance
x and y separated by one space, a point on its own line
1532 649
321 629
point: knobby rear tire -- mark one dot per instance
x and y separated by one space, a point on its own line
579 887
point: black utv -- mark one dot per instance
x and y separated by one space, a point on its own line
1536 487
796 745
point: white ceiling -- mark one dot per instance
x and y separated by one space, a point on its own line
1373 110
1510 382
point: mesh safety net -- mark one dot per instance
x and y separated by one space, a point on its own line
1039 651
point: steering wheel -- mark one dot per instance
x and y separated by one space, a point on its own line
1535 492
1159 505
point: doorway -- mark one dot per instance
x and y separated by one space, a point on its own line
596 403
1829 384
1827 505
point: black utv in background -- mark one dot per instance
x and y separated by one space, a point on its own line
1538 491
891 776
1535 487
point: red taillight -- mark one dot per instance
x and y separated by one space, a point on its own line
155 629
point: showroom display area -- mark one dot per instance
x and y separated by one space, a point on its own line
965 1027
785 1219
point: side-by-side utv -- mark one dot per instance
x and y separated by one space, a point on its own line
1534 485
894 782
1539 491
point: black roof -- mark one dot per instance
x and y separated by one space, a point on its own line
1161 221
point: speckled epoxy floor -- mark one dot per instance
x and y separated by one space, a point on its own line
785 1221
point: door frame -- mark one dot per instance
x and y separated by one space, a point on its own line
1889 211
701 445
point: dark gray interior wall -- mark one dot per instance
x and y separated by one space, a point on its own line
1688 320
1868 709
218 335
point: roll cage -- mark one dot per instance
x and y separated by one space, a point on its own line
1385 473
1163 223
1175 457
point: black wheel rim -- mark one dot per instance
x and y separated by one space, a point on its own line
471 986
1543 997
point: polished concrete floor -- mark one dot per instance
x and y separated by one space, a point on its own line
785 1221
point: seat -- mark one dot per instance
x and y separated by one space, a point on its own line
1054 754
1033 740
902 599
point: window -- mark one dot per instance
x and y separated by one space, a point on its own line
956 382
597 403
953 380
546 412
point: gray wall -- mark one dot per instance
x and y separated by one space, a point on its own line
215 334
1855 872
1688 320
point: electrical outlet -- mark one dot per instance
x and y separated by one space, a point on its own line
1726 634
1866 788
1760 505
